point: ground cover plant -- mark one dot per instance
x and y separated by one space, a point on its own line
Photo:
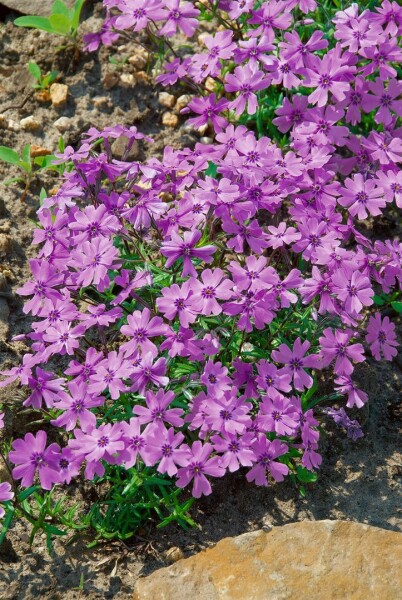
204 313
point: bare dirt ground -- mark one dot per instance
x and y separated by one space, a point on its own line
358 480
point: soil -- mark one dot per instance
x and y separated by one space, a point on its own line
358 480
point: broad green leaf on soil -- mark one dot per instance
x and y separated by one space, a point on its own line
59 8
77 13
35 71
60 23
9 155
26 153
36 22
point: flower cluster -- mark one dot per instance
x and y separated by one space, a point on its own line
196 298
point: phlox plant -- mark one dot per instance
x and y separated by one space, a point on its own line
188 308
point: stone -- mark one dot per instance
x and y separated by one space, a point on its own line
100 101
62 124
42 96
173 554
39 151
4 320
6 244
167 100
30 123
119 147
320 560
34 7
139 59
127 78
3 122
110 80
182 102
58 94
13 125
169 119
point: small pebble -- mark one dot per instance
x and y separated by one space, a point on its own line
58 94
173 554
62 124
206 140
110 80
39 151
139 60
6 244
167 100
119 147
100 101
169 119
182 102
30 123
13 125
127 78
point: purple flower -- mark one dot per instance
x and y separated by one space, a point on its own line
180 15
209 109
31 456
271 379
356 397
136 15
246 81
186 250
109 374
327 75
235 450
157 411
195 466
295 362
179 301
98 443
146 372
140 328
163 448
265 452
135 441
278 414
46 277
362 197
45 388
76 407
354 290
334 345
92 260
5 495
210 289
381 337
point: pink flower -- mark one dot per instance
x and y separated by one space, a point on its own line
210 289
146 372
381 337
266 451
362 197
278 414
31 456
246 81
5 495
157 411
140 327
295 362
334 345
179 301
356 397
185 248
195 466
354 290
330 74
235 450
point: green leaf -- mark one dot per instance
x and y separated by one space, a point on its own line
61 145
397 306
9 155
28 492
35 71
77 13
36 22
6 523
26 153
378 300
212 169
59 8
61 24
305 476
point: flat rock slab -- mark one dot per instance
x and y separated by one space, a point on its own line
311 560
33 7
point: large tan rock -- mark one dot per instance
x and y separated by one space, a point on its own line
34 7
311 560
